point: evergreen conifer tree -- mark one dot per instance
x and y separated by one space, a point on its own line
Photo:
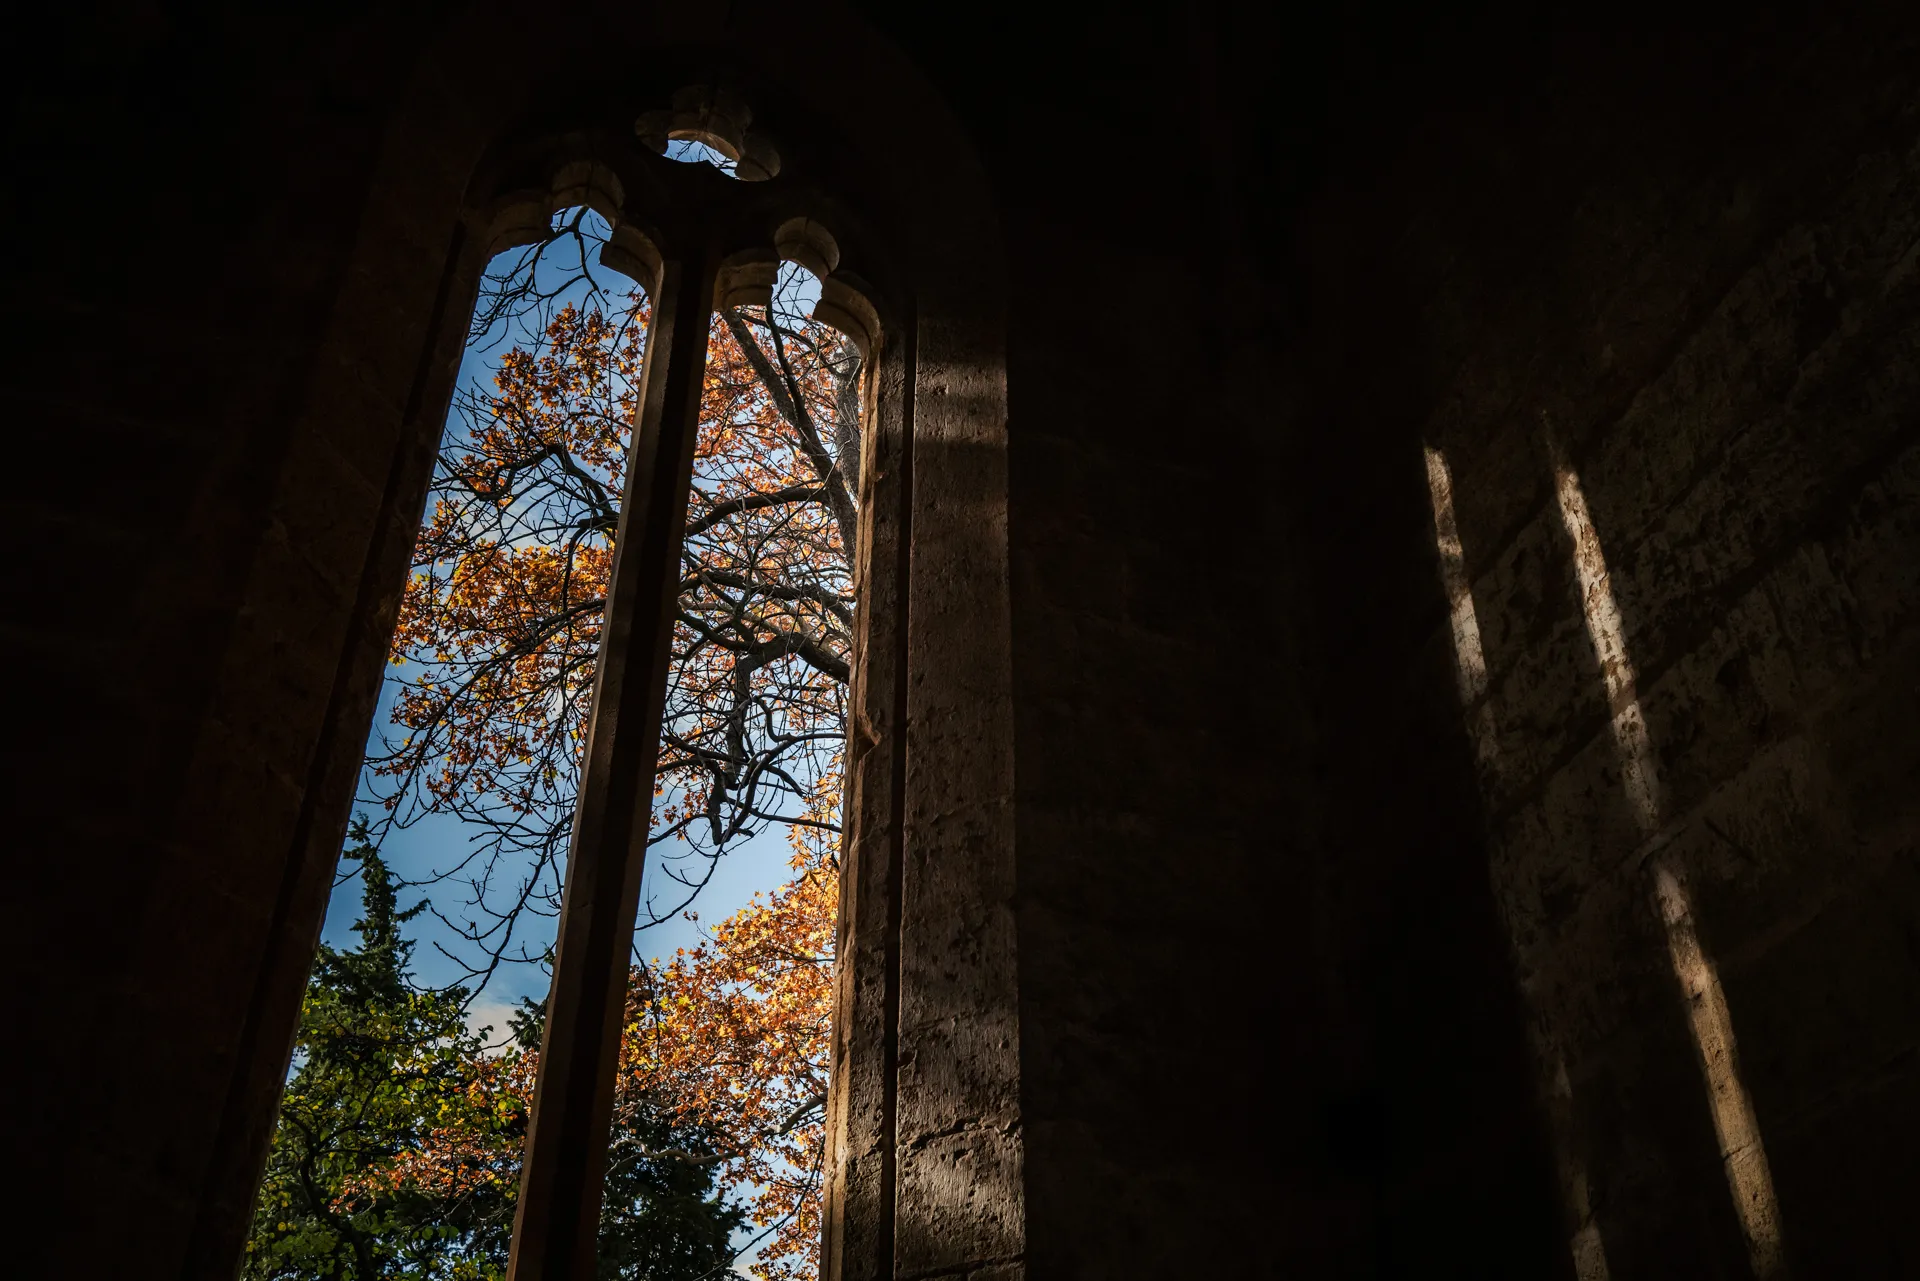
380 1066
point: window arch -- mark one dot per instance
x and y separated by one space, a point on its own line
698 246
929 872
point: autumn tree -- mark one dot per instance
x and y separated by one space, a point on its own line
731 1037
495 657
721 1077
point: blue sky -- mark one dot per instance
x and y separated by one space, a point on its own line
436 842
753 866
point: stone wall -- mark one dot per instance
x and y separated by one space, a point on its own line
1683 269
178 646
1309 980
1267 1019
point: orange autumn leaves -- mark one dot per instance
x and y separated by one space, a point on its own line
731 1038
503 611
756 703
728 1040
499 632
473 1140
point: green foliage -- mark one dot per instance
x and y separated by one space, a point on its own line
381 1069
378 1065
660 1218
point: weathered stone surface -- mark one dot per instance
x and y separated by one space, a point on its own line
1190 936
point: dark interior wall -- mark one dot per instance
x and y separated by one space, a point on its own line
1268 949
1699 286
1268 1025
186 190
1686 259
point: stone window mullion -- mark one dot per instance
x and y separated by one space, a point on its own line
557 1220
859 1211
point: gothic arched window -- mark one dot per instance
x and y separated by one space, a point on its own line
654 511
875 289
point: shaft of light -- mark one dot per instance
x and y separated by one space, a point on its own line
1588 1250
1709 1018
1469 659
1610 647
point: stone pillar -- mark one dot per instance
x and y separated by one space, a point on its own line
556 1225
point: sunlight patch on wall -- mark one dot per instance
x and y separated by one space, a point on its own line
1470 660
1589 1255
1733 1117
1589 1251
1470 665
1709 1017
1610 647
